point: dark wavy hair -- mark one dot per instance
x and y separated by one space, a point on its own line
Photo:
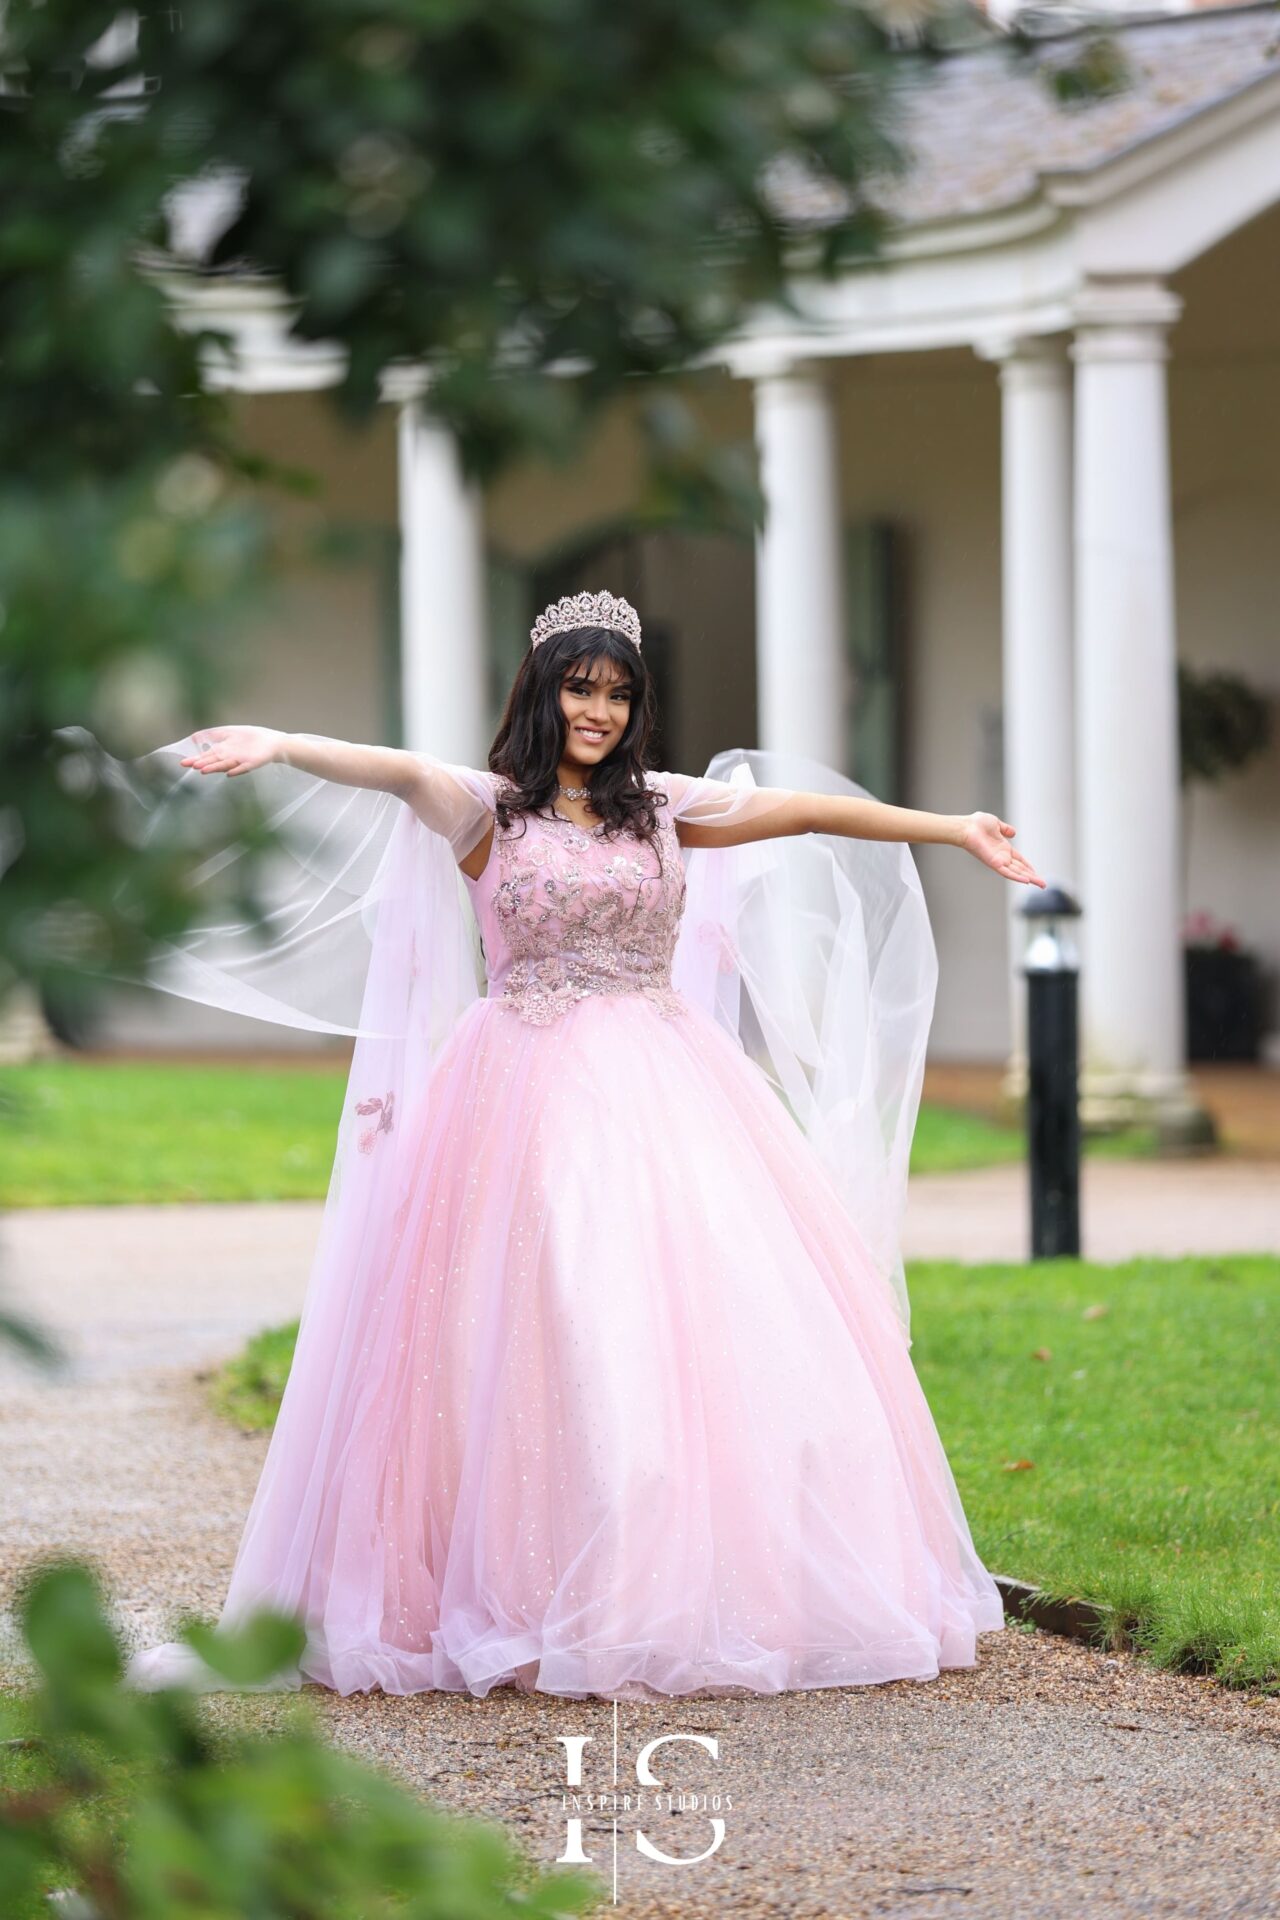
529 744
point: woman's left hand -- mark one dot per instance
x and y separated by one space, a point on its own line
986 836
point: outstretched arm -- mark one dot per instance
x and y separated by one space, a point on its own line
234 750
985 835
452 801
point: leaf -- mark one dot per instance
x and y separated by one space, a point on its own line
266 1646
30 1340
66 1628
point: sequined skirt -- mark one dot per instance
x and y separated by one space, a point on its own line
632 1412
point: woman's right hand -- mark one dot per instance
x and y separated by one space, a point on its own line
233 750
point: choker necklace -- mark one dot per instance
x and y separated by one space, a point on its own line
575 793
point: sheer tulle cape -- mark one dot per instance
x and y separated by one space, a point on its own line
816 953
813 951
812 954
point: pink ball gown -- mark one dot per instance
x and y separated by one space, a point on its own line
599 1388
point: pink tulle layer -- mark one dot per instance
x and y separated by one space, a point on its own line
628 1408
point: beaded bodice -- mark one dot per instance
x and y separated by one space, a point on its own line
566 911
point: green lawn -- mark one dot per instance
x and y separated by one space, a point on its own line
948 1140
88 1133
248 1388
1152 1429
1114 1432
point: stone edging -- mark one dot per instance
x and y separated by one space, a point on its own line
1077 1619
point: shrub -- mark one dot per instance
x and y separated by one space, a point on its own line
130 1808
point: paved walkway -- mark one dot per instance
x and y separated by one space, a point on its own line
1049 1780
1127 1207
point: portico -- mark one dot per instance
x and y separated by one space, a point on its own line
1059 305
1089 651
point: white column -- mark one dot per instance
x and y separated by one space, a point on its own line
25 1034
1037 663
801 658
1126 707
443 620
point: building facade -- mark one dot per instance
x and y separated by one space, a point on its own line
1016 470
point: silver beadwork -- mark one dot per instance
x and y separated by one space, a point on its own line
587 610
576 923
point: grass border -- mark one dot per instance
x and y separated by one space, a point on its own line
1072 1617
1108 1630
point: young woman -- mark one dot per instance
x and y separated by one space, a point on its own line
603 1385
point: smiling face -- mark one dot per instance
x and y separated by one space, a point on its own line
595 700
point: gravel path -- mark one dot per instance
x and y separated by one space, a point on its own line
1049 1780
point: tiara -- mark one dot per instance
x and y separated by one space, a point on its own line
588 610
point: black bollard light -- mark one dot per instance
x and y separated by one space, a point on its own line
1051 964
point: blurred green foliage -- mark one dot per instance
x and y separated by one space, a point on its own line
1095 68
526 184
129 1802
1223 724
492 189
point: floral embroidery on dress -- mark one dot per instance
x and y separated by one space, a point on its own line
384 1109
584 914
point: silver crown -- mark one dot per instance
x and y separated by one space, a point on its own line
587 610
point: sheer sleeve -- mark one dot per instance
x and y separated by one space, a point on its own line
816 954
705 801
454 801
